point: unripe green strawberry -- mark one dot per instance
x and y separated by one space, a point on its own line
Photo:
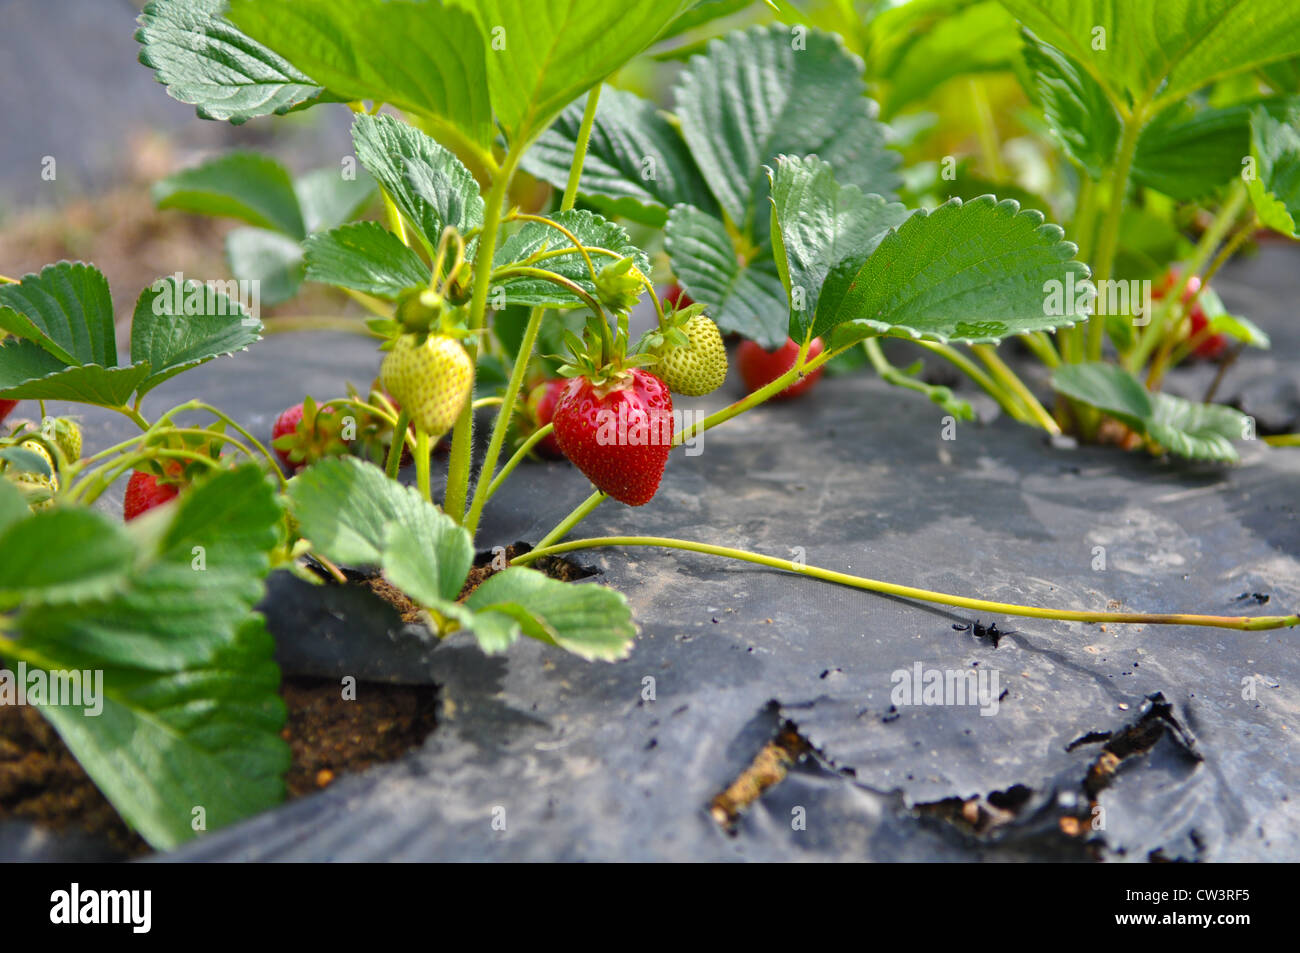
39 488
432 380
697 368
67 435
619 284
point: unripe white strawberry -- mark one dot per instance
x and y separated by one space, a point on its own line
431 380
699 367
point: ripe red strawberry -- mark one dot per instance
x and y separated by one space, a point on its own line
304 434
677 297
541 407
144 492
1211 347
6 406
620 437
759 368
286 423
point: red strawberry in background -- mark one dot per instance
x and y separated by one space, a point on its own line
541 407
758 367
1210 347
286 423
6 407
144 492
619 436
677 297
304 434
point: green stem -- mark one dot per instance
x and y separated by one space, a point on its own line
802 365
93 484
1154 333
487 482
1041 345
422 449
270 457
554 278
1284 440
892 375
580 153
987 130
573 519
1012 382
310 322
536 437
980 377
1246 623
394 461
462 438
513 386
1111 226
766 392
135 416
1229 249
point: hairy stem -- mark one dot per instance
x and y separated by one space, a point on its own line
422 450
972 370
462 439
1109 241
394 461
1013 383
487 482
1155 332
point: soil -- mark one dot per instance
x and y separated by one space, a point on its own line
556 567
41 781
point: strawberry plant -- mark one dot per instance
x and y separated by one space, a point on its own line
776 195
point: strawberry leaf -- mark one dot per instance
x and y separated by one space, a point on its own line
1075 105
637 164
366 257
245 185
329 197
1188 429
591 621
188 717
916 47
976 272
535 238
430 186
29 373
204 61
178 326
347 509
424 57
771 90
271 259
66 310
66 347
820 227
543 54
1143 50
12 505
62 555
745 297
1275 186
